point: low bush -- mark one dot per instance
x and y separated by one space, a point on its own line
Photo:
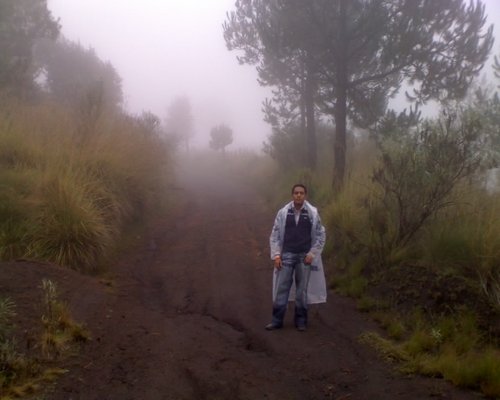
67 201
53 339
465 240
422 232
452 348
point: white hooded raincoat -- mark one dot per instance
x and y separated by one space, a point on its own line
316 292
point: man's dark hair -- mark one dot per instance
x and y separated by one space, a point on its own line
299 185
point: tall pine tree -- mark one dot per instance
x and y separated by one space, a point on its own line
358 53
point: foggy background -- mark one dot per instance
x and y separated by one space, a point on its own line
163 49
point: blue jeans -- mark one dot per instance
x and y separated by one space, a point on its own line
292 266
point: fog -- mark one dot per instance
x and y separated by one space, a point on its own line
163 49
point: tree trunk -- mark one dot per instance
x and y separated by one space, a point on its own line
340 115
310 121
304 161
339 149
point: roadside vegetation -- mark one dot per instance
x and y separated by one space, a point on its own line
73 205
79 179
67 196
73 198
76 171
26 370
412 207
414 238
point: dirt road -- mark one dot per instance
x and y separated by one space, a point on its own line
186 319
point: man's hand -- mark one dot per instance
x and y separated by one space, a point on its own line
277 262
308 259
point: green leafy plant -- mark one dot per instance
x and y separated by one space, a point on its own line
417 172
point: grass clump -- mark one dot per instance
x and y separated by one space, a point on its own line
478 370
23 374
396 330
69 227
451 347
384 347
14 366
69 201
351 282
466 241
59 329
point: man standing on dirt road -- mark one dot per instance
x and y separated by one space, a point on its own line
296 242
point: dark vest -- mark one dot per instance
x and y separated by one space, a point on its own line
297 236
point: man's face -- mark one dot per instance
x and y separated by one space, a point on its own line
298 195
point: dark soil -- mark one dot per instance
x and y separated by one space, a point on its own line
410 287
184 317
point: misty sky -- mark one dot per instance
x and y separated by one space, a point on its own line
168 48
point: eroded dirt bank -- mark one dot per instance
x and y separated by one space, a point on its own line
186 319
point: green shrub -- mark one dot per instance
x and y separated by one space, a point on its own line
351 281
466 241
418 169
466 336
421 341
475 370
396 329
67 227
68 201
451 347
386 348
